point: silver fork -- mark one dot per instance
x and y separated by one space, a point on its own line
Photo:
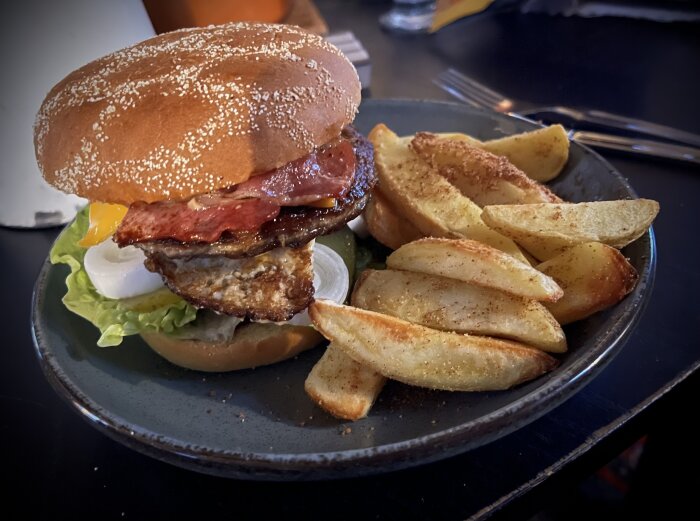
469 91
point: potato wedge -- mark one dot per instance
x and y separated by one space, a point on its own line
386 225
417 355
429 201
541 153
594 276
484 177
476 263
461 137
341 386
452 305
546 230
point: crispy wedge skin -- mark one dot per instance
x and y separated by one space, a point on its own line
341 386
546 230
476 263
541 153
386 224
425 198
484 177
425 357
594 276
452 305
461 137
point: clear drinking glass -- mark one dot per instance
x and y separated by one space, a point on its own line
409 16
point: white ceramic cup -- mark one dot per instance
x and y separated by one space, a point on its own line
40 43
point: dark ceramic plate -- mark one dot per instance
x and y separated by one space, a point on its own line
259 424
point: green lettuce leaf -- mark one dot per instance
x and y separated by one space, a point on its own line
159 311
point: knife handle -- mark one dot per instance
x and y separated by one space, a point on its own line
637 146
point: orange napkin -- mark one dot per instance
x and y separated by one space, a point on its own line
447 11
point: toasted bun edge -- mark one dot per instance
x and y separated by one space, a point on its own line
252 345
193 111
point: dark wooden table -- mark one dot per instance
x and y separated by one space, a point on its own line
61 467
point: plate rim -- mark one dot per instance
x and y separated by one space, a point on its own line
370 460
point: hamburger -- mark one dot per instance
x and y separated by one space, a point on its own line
215 157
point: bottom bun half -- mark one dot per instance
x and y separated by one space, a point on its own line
252 345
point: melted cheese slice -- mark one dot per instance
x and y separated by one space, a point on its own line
104 220
324 202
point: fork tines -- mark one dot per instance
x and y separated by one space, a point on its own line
471 91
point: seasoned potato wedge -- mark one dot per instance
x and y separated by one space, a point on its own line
341 386
473 262
452 305
541 153
461 137
484 177
546 230
386 225
594 277
425 198
421 356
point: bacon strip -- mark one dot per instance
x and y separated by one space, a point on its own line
325 172
188 223
294 226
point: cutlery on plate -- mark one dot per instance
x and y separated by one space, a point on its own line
473 93
645 147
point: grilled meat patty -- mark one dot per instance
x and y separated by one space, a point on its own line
272 286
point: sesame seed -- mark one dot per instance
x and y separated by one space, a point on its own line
120 82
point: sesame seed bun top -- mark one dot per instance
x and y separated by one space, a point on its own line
192 111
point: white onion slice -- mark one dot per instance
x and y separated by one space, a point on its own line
119 272
331 280
359 226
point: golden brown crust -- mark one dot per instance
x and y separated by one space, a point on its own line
386 224
479 174
252 345
342 386
425 198
594 277
547 229
453 305
418 355
541 153
192 111
476 263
